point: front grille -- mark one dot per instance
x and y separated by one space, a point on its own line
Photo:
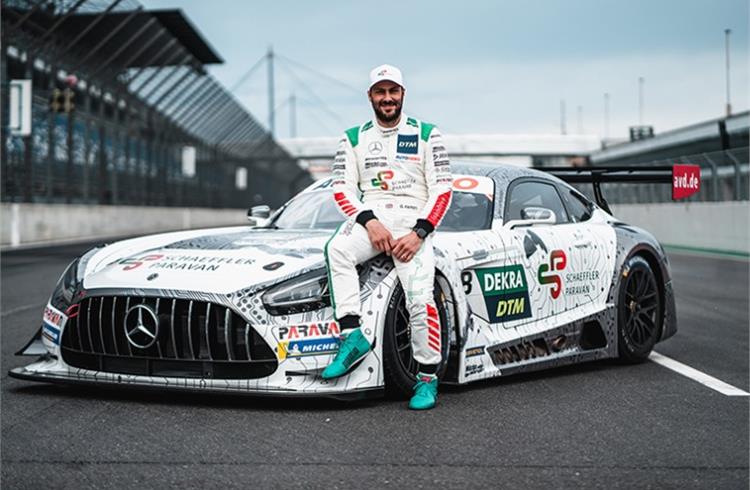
196 339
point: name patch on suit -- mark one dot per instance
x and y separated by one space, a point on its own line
407 143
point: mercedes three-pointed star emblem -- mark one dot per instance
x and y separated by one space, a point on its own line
141 326
375 148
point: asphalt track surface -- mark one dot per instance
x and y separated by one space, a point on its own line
589 426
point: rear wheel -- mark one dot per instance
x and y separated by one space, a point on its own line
400 368
639 311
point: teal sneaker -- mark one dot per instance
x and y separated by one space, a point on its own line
425 392
354 347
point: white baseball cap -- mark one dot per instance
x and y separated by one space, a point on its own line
386 72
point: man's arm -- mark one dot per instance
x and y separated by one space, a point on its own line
345 183
439 179
439 182
345 192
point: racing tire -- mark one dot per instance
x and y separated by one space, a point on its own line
639 311
399 366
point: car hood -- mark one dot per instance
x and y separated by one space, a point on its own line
214 261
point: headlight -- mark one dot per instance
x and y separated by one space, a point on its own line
303 293
66 287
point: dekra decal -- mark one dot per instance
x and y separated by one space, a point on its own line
506 292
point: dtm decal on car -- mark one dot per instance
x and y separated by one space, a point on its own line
557 262
506 292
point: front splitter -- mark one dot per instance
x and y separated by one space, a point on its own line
23 374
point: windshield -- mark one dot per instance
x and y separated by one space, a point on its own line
317 210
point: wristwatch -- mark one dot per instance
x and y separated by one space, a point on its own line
421 232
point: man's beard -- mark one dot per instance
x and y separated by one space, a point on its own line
382 116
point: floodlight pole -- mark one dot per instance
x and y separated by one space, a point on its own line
727 32
640 100
293 116
563 131
271 105
606 115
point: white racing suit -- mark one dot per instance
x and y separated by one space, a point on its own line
404 176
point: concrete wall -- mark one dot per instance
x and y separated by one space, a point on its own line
717 226
721 226
25 223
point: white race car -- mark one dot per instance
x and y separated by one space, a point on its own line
530 274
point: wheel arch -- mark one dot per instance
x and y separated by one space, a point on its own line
455 344
634 241
651 256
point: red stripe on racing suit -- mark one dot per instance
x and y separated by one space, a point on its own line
345 175
439 179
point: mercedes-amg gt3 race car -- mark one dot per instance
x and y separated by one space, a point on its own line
530 274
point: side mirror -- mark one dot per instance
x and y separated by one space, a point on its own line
535 213
533 216
262 211
258 215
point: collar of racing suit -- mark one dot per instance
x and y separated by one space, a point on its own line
386 132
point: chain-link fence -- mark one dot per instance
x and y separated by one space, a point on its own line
124 112
724 177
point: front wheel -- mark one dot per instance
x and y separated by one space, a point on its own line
639 311
400 368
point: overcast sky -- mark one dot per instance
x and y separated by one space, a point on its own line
484 66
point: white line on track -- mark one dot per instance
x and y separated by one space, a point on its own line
695 375
22 308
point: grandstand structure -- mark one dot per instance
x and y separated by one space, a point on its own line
123 111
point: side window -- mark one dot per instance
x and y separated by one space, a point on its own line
535 194
580 208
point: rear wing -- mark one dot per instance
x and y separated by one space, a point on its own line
685 179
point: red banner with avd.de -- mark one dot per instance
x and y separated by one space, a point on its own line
686 180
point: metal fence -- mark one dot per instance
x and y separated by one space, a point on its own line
724 177
141 96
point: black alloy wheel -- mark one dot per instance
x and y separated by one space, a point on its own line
400 368
639 311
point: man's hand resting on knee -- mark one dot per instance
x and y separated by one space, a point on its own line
379 235
406 247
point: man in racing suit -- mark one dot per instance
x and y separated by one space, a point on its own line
402 170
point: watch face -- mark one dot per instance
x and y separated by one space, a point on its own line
421 233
